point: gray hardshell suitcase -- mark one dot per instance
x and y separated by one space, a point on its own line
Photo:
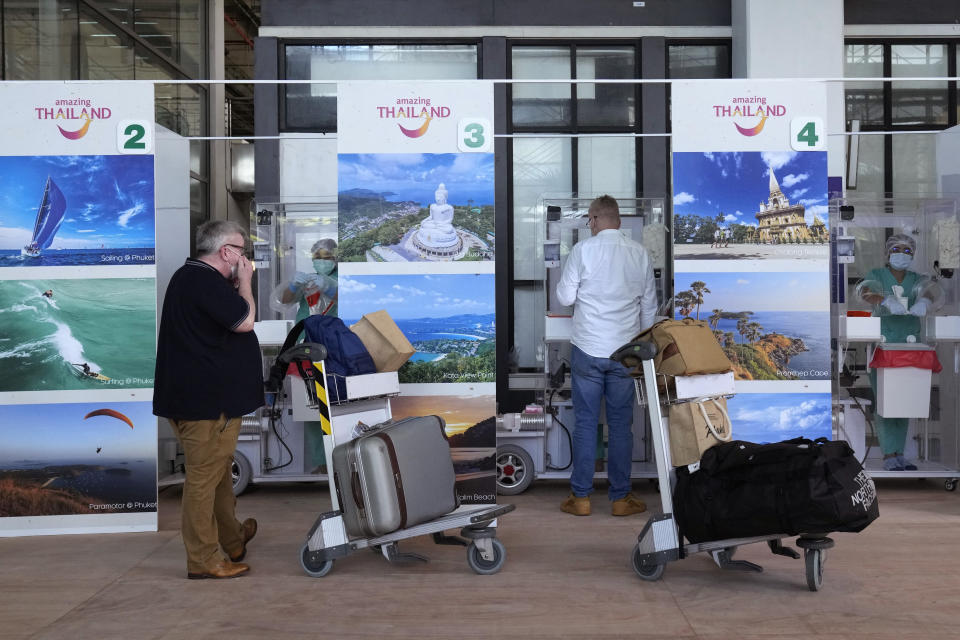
395 477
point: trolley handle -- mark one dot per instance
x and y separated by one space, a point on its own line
631 354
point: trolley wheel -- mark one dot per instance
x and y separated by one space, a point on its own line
515 469
730 552
483 566
649 572
312 568
814 559
240 473
950 485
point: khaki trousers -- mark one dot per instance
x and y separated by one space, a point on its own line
207 514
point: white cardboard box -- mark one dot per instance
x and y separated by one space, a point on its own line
943 327
711 384
904 392
862 329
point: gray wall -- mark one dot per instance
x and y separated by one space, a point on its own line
494 13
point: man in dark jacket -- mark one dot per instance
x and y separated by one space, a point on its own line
209 375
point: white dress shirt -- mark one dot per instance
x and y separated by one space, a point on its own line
609 280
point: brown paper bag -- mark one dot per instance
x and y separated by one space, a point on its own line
686 347
697 426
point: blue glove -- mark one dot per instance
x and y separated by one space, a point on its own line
894 306
300 280
919 308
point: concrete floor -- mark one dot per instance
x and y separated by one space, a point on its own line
564 577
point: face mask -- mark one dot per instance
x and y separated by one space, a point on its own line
324 267
900 261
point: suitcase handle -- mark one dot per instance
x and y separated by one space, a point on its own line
356 489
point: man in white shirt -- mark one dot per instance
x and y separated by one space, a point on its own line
609 280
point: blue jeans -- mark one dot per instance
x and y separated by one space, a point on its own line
595 379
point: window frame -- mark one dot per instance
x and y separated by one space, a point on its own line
953 47
283 43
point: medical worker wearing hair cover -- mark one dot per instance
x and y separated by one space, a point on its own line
900 314
316 292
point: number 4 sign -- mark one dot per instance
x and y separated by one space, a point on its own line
135 136
807 134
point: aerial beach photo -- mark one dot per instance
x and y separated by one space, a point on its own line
409 207
450 319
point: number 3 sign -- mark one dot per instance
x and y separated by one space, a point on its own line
474 135
135 136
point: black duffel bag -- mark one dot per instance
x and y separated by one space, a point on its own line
742 489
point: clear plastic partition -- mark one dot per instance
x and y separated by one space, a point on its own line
895 273
562 223
283 236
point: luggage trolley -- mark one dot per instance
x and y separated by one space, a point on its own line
659 541
327 539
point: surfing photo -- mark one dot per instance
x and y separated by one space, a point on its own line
77 458
77 334
76 210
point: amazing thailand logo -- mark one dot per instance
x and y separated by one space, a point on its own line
413 109
748 111
77 114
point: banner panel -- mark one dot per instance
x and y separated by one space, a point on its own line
752 245
416 223
77 309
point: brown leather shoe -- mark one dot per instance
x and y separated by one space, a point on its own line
248 529
627 506
578 506
223 569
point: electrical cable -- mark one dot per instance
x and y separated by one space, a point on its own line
273 427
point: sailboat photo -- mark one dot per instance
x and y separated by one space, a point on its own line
49 217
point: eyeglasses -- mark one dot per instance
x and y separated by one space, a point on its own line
904 250
236 246
589 218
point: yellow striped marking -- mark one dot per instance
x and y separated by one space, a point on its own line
323 404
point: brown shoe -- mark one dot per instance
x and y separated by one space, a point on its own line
248 529
627 506
223 569
576 505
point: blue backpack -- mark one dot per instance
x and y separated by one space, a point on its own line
346 355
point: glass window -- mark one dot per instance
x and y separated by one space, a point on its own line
40 40
540 165
864 100
870 164
611 105
542 104
174 28
606 165
314 106
914 164
105 53
699 61
919 102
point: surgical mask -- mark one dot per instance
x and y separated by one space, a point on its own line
324 267
900 261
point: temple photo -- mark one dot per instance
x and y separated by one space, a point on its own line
406 207
750 206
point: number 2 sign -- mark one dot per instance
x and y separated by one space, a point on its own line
135 136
